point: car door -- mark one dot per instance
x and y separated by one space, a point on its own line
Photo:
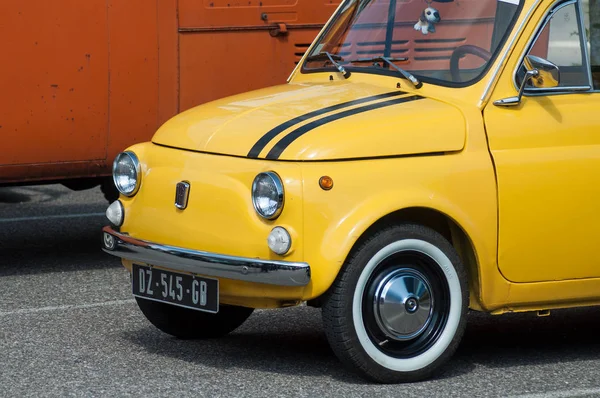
546 151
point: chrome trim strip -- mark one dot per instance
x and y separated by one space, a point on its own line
532 92
280 273
316 39
584 40
495 76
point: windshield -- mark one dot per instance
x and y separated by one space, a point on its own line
446 42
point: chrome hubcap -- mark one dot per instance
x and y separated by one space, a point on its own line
403 304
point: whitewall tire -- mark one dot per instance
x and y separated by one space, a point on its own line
397 310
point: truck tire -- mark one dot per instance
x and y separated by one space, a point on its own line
186 323
397 310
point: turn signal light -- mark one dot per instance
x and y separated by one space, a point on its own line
326 183
115 213
279 241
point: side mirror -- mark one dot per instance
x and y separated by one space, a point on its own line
542 74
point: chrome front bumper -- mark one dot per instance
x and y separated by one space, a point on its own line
281 273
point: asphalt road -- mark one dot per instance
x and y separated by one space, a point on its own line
69 327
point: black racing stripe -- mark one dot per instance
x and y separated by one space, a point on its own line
264 140
292 136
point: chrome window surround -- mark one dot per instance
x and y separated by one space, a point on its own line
495 74
138 172
536 92
271 272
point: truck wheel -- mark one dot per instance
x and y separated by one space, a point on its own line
397 310
185 323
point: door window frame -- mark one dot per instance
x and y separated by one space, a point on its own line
534 91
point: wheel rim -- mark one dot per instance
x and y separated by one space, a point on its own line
405 304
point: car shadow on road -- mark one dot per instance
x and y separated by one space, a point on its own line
292 341
22 194
286 341
11 195
53 247
511 340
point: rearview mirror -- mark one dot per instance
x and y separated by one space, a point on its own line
548 75
542 74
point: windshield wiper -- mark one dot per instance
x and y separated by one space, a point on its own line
390 61
332 58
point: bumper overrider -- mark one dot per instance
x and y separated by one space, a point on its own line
280 273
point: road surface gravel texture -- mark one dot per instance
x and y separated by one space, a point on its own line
69 327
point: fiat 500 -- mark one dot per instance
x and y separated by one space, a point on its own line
423 159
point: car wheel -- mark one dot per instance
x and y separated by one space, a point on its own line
185 323
397 310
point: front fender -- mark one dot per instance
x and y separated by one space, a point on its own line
461 186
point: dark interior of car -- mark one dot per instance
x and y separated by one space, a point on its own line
596 76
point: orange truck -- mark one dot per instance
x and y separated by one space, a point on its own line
81 80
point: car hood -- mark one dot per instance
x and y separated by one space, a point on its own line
338 120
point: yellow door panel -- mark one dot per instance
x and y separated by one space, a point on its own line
547 157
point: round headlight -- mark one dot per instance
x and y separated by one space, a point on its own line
267 195
126 173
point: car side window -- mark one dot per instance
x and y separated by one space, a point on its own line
591 17
561 42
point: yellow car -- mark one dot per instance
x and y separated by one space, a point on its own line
425 157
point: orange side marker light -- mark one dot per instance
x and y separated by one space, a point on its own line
326 183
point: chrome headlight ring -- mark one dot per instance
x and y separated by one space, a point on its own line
127 168
268 195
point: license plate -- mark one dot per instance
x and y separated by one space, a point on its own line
184 290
